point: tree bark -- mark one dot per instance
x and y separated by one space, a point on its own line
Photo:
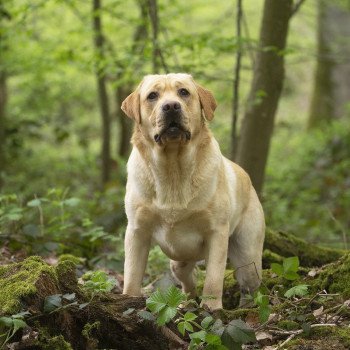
125 123
4 15
102 91
235 98
257 126
121 92
331 88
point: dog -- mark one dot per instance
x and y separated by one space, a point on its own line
184 195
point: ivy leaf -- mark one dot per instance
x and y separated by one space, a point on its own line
299 290
71 202
52 302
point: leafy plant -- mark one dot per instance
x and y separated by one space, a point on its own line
208 333
98 282
262 301
297 291
12 324
288 269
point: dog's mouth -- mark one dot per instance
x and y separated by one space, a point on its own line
173 131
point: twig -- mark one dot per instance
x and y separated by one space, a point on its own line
169 334
293 334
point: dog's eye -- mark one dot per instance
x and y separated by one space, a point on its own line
152 96
183 92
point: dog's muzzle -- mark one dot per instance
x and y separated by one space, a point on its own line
172 119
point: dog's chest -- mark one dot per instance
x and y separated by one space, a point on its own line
181 239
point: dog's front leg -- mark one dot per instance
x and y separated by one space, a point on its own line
217 246
137 245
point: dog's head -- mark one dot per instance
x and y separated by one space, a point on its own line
169 108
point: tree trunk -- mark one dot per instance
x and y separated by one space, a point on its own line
139 43
4 15
331 89
125 123
257 126
102 91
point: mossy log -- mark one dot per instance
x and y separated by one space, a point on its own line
101 324
280 244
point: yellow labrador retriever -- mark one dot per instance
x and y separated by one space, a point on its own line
184 195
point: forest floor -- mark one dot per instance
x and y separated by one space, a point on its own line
46 304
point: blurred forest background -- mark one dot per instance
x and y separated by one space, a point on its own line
66 66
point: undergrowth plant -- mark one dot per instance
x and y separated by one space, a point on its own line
202 329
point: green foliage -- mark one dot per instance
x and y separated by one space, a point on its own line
98 282
11 325
208 333
310 189
297 291
288 269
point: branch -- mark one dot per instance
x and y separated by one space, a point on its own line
296 7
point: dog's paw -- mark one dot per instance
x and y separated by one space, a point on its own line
211 304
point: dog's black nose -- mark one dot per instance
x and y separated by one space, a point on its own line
171 106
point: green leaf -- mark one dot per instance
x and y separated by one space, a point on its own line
264 313
52 302
165 315
17 324
261 299
145 315
239 332
6 321
291 264
199 335
69 297
174 297
299 290
129 311
156 302
34 203
181 327
72 202
291 276
212 339
189 316
277 269
207 321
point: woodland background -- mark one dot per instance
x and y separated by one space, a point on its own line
66 65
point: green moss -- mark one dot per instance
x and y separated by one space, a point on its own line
270 257
18 281
288 325
309 255
74 259
48 342
87 334
322 338
335 277
228 315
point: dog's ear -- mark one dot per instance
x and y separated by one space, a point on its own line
131 106
207 101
